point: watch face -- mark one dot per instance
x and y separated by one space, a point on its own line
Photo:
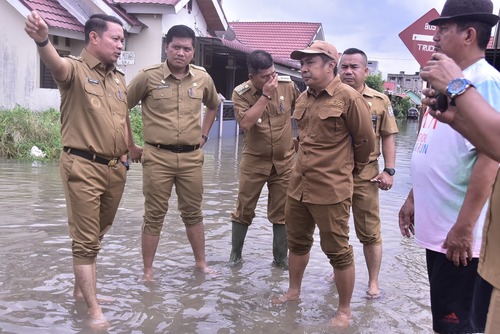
456 86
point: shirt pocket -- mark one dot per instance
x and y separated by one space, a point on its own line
195 100
94 98
195 93
159 103
330 126
298 113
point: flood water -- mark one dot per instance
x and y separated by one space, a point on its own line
36 277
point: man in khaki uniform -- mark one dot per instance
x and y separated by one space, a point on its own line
353 69
336 139
94 135
172 94
263 107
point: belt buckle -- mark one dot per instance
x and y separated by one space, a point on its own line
112 162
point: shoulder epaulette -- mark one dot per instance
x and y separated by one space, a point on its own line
119 70
74 57
201 68
152 67
284 78
242 89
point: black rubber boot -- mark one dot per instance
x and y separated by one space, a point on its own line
280 246
239 232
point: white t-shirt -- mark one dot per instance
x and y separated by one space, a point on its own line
441 166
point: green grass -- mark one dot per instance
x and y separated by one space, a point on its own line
21 129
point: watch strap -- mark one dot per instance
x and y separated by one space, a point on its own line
390 171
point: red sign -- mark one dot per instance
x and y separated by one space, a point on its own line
418 37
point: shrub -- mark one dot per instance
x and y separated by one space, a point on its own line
21 129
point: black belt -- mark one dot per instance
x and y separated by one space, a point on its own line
176 148
91 156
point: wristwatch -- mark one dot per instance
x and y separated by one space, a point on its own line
390 171
457 87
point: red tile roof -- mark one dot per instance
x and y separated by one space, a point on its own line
389 85
237 45
54 14
277 38
129 18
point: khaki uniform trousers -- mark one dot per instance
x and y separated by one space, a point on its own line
365 206
93 192
250 187
162 169
333 224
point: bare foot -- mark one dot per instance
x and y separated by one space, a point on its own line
148 277
341 320
97 322
373 293
287 297
207 270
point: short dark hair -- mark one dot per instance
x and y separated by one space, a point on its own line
99 24
259 60
483 30
354 51
180 31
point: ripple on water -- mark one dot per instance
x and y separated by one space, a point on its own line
36 279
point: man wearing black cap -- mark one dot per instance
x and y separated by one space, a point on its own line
452 180
336 139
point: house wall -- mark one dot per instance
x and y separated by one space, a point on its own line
146 45
20 65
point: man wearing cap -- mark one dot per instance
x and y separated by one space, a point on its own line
335 141
263 106
353 69
452 180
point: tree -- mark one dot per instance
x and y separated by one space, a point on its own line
375 82
401 106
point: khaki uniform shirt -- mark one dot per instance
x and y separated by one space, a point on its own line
336 136
172 108
269 142
93 107
384 122
489 260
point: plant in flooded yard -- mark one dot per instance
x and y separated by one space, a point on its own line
21 129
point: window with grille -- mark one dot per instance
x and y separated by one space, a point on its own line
46 80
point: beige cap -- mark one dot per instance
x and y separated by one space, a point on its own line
317 47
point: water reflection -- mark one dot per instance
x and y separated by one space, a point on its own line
36 279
